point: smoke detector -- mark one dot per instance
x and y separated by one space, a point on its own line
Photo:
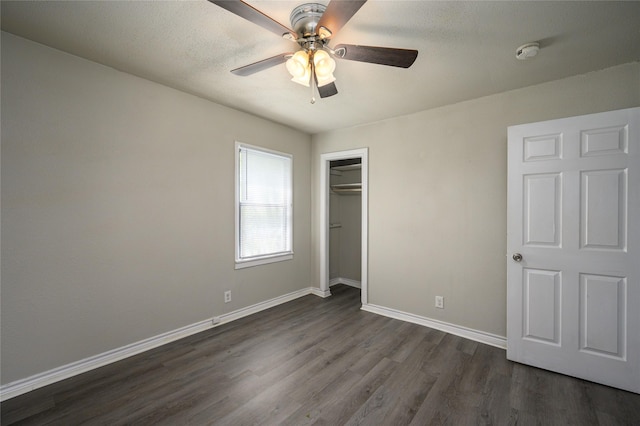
527 51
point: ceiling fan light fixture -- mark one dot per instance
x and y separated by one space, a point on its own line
312 26
299 68
324 66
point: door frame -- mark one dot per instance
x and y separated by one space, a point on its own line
325 159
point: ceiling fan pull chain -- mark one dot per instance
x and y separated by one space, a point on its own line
313 81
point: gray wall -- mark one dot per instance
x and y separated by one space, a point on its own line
118 209
438 188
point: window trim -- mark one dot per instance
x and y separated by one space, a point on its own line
270 258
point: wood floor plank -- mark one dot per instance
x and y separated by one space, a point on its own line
410 386
303 386
403 350
322 362
229 398
31 405
379 345
613 403
344 408
325 400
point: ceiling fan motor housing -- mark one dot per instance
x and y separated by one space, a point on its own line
305 18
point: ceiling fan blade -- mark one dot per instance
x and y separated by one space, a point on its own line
337 14
402 58
328 90
252 14
261 65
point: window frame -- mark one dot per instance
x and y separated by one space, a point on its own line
269 258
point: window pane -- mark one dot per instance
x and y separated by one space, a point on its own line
264 204
263 230
266 178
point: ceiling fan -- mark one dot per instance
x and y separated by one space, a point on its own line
313 26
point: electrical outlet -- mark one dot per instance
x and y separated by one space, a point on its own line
227 296
440 302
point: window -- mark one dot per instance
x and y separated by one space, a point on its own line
263 206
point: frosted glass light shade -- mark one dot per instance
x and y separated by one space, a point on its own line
324 66
299 68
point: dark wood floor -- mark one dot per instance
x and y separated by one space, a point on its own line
325 362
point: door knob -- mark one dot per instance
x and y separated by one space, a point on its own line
517 257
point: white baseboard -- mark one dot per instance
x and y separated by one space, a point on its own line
345 281
468 333
321 293
36 381
261 306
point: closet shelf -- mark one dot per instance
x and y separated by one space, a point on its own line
347 167
347 188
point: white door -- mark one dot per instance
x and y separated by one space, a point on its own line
573 240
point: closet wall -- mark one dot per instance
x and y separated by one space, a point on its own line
345 235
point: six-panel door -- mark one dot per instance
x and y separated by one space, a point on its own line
574 217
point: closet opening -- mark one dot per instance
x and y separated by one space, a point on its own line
344 246
345 222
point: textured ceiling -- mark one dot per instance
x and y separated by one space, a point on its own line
467 50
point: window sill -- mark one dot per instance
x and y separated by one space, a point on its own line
241 264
